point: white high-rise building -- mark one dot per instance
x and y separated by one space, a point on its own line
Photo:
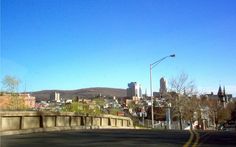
163 87
55 96
134 90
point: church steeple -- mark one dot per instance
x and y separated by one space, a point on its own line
220 93
224 91
225 96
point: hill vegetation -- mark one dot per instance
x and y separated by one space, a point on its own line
82 93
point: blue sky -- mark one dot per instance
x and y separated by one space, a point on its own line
72 44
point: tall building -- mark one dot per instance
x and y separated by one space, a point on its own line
134 90
163 87
55 96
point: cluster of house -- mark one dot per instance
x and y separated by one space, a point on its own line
28 102
56 102
161 109
136 103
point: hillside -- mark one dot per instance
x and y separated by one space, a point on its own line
82 93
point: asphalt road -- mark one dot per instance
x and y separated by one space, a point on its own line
113 138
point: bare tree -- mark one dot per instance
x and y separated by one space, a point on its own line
10 84
218 113
191 110
182 89
182 85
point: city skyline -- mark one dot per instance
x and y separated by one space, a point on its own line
66 44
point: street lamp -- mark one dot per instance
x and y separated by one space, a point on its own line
151 67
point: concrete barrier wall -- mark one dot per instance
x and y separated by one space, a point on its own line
119 122
50 121
113 121
62 121
76 121
105 122
96 121
88 121
10 123
20 120
30 122
125 122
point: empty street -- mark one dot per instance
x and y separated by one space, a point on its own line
121 138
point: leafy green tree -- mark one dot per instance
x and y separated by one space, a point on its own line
99 101
82 108
74 107
114 111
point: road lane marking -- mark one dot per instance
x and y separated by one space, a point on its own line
196 138
190 139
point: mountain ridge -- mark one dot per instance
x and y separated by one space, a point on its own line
82 93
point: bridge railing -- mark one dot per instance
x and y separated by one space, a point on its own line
33 121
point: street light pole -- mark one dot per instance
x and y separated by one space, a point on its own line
151 67
151 95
